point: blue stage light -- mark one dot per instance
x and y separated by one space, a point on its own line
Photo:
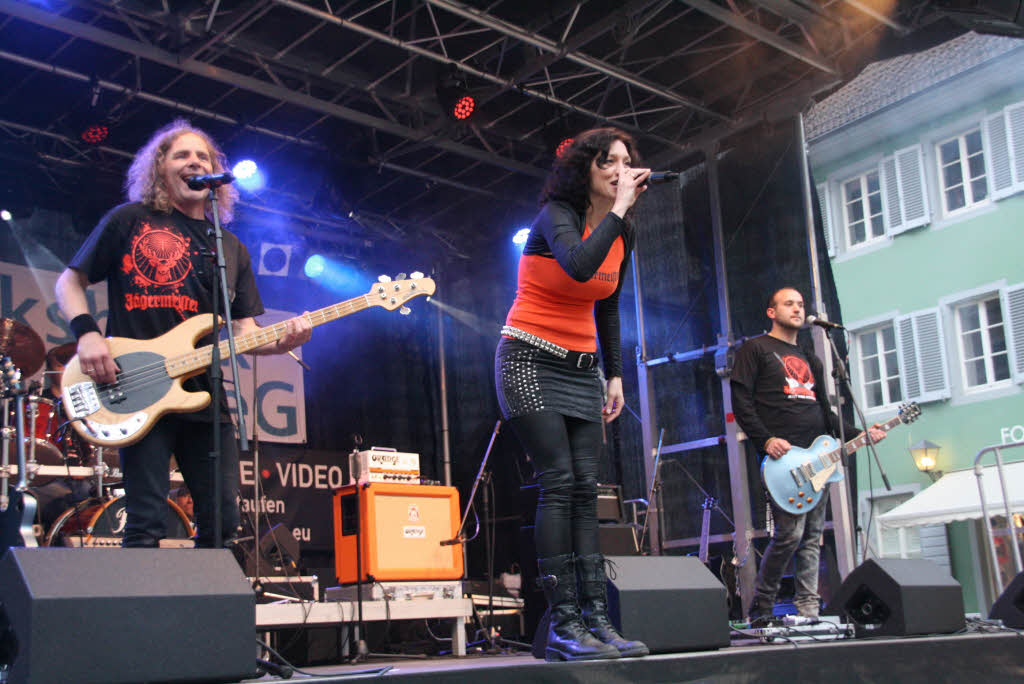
520 237
244 169
5 215
315 266
248 175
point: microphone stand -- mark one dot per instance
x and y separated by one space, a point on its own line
654 498
483 476
220 289
842 376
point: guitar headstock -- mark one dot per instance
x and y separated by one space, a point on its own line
909 412
393 294
709 502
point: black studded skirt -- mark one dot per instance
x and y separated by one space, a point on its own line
529 380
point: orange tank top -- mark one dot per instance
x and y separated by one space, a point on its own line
552 305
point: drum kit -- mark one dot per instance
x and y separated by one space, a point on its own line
76 485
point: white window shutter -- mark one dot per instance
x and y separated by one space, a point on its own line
922 356
997 156
825 206
891 196
1015 142
934 546
1013 319
913 195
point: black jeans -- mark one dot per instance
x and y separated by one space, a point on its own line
146 465
565 453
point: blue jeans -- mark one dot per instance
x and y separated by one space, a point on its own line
146 465
797 537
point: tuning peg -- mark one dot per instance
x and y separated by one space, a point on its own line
400 276
405 311
383 279
416 275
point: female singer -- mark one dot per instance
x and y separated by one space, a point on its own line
549 386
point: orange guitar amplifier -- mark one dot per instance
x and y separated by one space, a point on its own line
400 528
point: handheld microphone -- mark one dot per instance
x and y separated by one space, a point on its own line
661 177
210 180
814 320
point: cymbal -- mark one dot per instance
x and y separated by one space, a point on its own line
63 353
23 345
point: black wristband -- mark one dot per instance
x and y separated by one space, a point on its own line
82 324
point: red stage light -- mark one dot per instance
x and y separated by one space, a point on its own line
95 134
464 107
563 146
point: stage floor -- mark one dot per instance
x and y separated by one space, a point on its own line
973 657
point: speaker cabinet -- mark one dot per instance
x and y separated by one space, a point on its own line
1009 607
397 530
899 597
128 615
671 603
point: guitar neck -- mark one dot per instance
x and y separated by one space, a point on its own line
203 357
858 442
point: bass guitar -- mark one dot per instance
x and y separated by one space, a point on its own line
795 481
148 384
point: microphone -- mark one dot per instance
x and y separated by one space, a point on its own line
661 177
814 320
210 180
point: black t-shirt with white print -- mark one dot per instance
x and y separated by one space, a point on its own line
159 273
776 392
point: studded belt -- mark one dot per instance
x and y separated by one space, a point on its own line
574 359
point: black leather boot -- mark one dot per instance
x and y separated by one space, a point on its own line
594 603
568 638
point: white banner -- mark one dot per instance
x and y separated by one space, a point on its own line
26 296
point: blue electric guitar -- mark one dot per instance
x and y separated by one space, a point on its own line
796 481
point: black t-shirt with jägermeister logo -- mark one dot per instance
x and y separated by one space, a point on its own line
159 273
778 391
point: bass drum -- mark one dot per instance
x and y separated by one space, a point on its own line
98 522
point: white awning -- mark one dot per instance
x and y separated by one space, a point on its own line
955 497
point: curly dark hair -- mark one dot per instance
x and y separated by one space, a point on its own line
569 179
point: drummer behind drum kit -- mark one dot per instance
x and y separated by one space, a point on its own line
55 455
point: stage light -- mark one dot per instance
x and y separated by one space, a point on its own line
315 266
5 215
244 169
563 146
521 236
248 176
454 96
464 107
94 134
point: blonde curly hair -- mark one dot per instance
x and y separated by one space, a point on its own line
144 182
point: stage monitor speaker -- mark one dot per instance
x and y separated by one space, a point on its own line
399 528
131 615
1009 607
900 597
671 603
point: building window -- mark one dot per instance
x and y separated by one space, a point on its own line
962 171
982 338
862 202
879 366
892 542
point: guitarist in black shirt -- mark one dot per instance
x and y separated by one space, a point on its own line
779 401
153 254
